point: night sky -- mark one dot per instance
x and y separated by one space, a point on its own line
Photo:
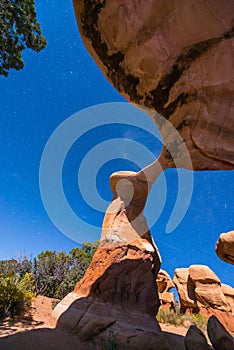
55 84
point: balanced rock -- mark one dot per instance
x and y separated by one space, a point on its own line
124 220
200 290
165 284
118 293
207 287
175 58
225 247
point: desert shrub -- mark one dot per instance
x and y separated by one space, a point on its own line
199 321
171 317
16 294
7 267
55 274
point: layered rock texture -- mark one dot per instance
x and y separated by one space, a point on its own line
165 284
114 298
121 291
200 290
225 247
118 293
229 294
175 58
185 288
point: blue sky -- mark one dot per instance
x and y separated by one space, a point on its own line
56 83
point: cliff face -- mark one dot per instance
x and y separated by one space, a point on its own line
172 57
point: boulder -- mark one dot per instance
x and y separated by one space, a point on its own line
228 292
165 284
207 287
195 339
225 247
198 286
219 336
158 54
200 291
117 296
124 220
185 288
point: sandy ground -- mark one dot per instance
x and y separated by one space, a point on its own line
38 332
40 318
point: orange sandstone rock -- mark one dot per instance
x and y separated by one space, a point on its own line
200 290
175 58
225 247
228 291
165 284
207 288
185 288
118 293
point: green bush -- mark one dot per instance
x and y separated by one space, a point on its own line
199 321
16 294
54 274
171 317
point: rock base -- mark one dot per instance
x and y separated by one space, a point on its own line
117 299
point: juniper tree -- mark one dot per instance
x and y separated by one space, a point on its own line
19 29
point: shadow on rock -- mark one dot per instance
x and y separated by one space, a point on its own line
42 339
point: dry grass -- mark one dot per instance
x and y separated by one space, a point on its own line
177 319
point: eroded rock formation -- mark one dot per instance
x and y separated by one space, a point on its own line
207 288
165 284
118 293
175 58
228 292
160 55
185 288
225 247
200 290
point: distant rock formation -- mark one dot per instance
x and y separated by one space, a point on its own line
207 288
185 288
225 247
175 58
228 292
200 290
165 284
